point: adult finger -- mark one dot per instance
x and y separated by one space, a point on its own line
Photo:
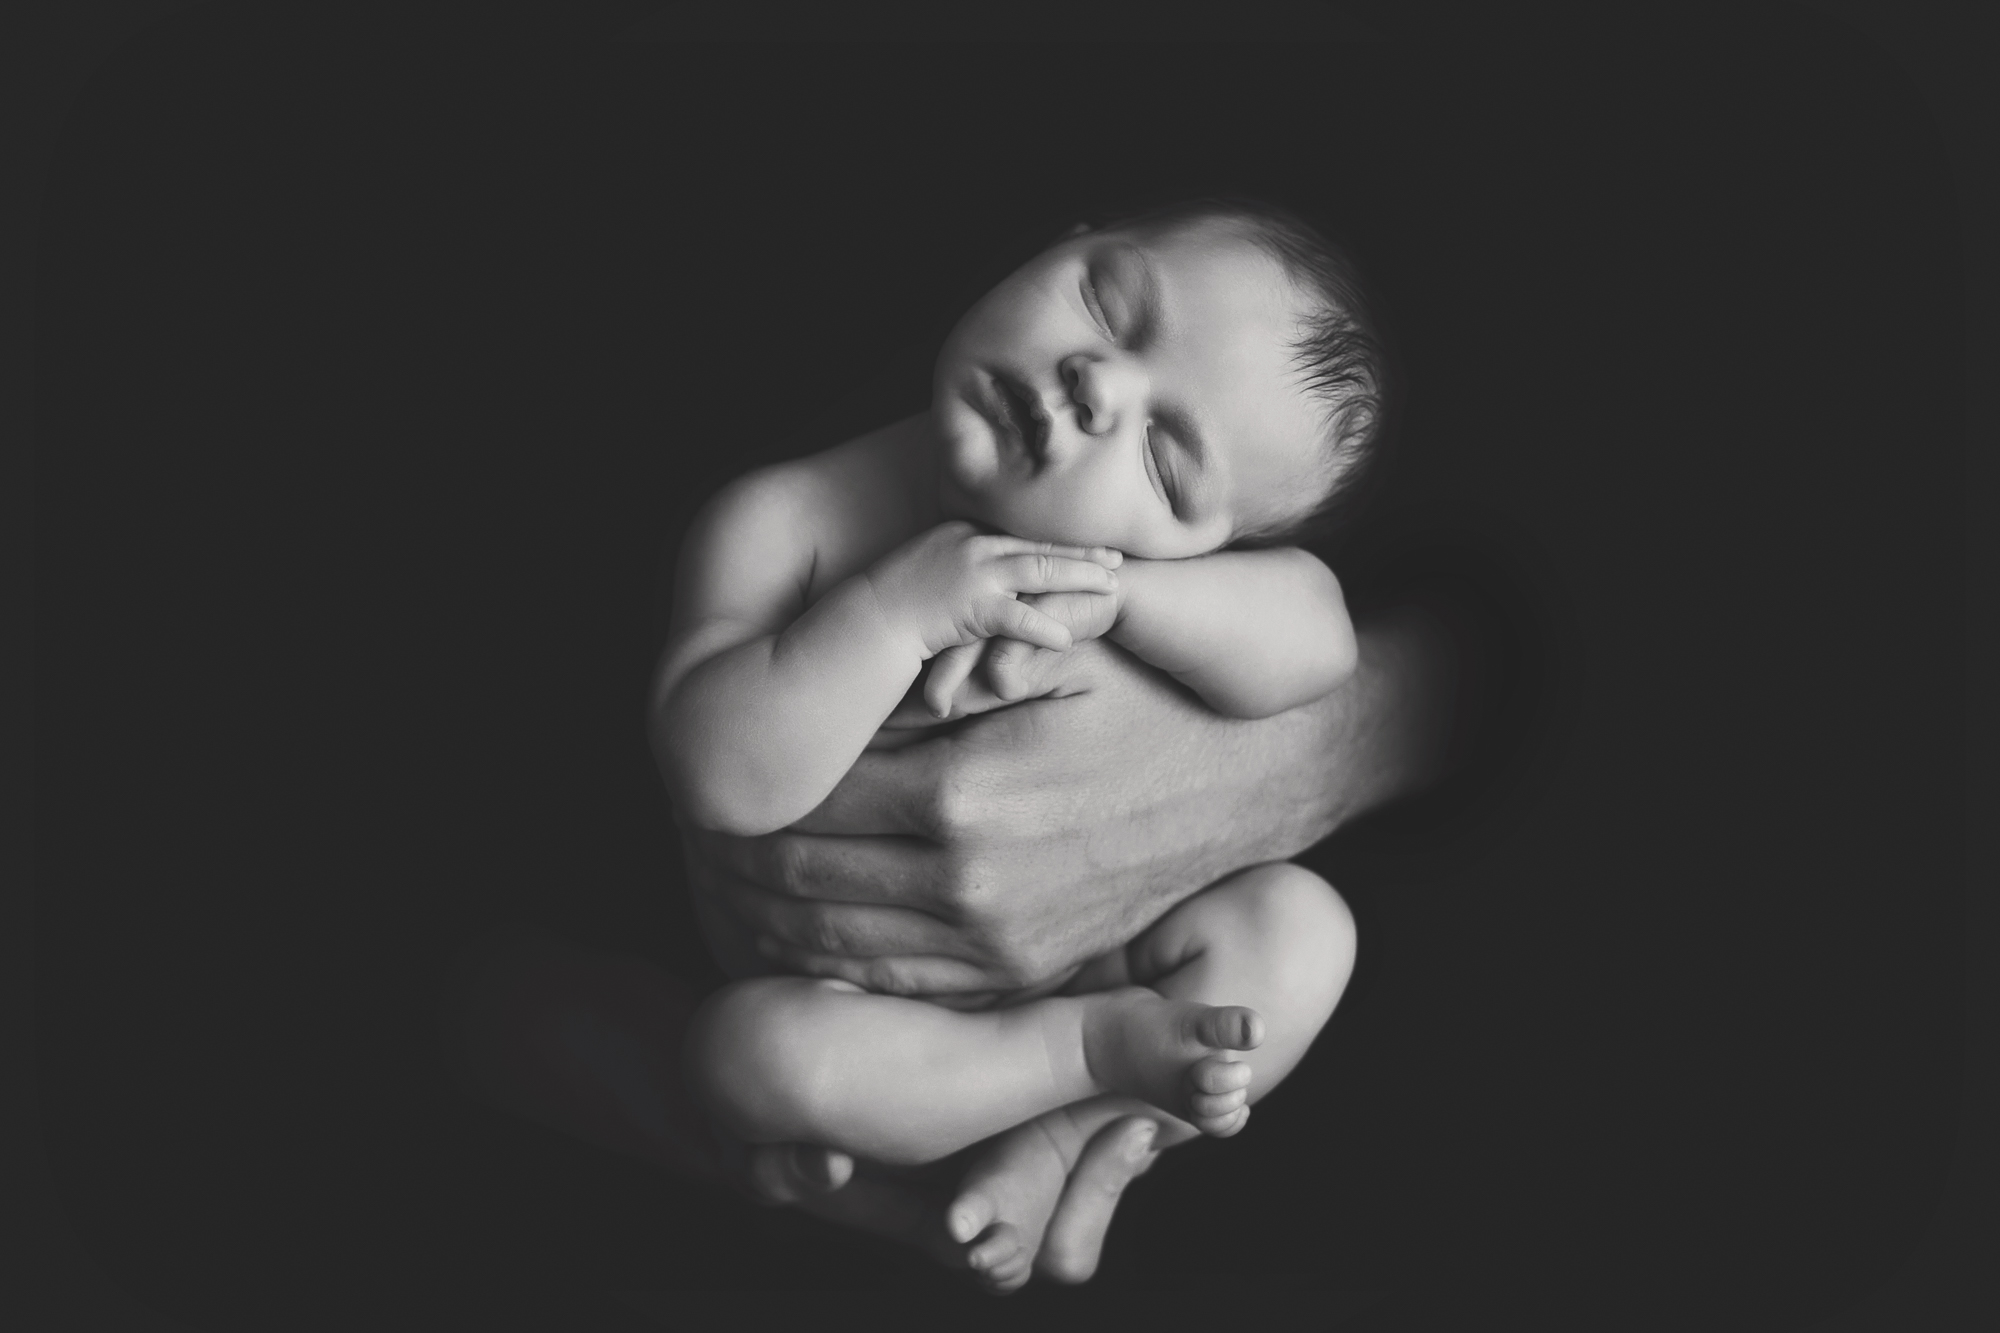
889 871
1075 1238
885 792
900 974
848 930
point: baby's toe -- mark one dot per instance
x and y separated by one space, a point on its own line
1011 1275
1231 1027
1223 1126
969 1215
1215 1073
997 1251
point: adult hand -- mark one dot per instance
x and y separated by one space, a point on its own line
999 854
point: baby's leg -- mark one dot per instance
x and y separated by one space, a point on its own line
1275 938
795 1060
1013 1184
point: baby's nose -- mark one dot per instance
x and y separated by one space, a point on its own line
1086 384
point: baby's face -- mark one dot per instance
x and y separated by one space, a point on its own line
1133 390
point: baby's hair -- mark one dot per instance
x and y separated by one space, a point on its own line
1341 352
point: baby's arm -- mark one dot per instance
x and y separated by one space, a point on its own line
1252 632
763 702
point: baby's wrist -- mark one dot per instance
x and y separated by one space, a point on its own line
1137 581
897 624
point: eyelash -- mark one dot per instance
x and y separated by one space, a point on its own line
1095 306
1172 496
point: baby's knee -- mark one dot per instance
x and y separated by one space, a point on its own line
1281 897
1304 924
752 1059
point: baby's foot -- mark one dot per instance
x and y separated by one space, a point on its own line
1174 1054
1218 1102
1005 1205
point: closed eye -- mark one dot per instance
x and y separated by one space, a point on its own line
1155 473
1095 306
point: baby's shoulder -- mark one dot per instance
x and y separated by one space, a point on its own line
771 501
828 513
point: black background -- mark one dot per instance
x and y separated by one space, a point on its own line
380 361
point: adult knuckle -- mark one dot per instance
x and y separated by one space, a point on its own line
960 888
953 805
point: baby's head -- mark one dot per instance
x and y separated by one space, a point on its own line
1194 377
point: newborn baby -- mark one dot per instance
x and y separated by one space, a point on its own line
1125 436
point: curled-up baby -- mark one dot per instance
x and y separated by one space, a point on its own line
1126 438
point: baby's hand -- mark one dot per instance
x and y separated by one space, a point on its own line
1013 668
956 585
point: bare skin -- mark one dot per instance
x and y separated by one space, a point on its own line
854 902
588 1042
790 1059
1170 423
829 882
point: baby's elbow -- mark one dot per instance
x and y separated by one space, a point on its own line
722 807
717 801
712 793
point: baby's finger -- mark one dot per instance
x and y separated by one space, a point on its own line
1009 667
1017 620
1055 573
1106 556
1088 614
948 671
